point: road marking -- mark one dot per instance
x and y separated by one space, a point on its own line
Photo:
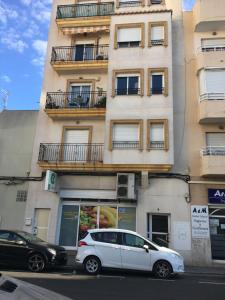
211 282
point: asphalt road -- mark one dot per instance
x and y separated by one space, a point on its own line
132 286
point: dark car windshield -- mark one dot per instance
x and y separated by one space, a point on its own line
29 237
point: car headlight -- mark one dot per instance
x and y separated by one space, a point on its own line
52 251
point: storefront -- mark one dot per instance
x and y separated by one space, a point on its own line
216 198
77 216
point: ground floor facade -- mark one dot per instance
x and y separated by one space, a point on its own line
165 210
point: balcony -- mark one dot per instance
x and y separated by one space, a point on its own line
93 14
212 108
64 105
209 15
70 156
80 58
213 161
210 57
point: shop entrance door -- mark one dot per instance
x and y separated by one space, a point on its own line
158 229
217 232
41 223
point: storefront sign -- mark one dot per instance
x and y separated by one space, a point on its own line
200 221
50 181
216 196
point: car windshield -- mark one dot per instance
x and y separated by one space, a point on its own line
29 237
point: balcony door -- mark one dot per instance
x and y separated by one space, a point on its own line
84 52
76 147
80 96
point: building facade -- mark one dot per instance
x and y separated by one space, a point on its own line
110 126
17 131
205 73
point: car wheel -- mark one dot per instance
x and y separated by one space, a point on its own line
36 262
162 269
92 265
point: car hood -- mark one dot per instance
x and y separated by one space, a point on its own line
168 250
48 245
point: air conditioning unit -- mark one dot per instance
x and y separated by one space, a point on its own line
125 188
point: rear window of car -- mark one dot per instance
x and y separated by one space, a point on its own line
105 237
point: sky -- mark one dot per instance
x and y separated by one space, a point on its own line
23 40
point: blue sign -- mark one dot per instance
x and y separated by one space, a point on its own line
216 196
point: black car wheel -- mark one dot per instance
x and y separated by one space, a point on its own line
162 269
92 265
36 263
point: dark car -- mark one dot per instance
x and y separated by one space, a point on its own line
20 248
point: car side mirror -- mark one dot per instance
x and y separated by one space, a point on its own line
146 247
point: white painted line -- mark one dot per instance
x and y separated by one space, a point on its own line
211 282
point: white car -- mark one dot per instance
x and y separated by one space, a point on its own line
124 249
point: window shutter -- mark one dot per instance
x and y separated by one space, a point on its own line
77 136
215 139
126 133
215 81
157 133
210 43
129 35
157 33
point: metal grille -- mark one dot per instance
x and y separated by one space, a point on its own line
157 145
128 91
213 150
126 145
157 42
21 196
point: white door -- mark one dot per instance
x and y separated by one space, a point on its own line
76 145
42 223
134 256
108 249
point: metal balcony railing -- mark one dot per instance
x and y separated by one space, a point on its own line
212 96
128 91
76 53
213 48
213 150
157 145
77 153
157 42
125 145
85 10
76 100
155 1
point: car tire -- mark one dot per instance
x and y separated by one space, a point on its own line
36 262
162 269
92 265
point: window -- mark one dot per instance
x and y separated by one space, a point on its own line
158 34
157 2
4 235
133 240
129 35
157 134
128 82
213 45
212 84
80 95
127 85
129 3
126 134
84 52
158 81
215 143
21 196
105 237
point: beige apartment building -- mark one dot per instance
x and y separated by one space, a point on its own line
205 119
111 124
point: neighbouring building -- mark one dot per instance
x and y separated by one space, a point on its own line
205 120
17 131
111 124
